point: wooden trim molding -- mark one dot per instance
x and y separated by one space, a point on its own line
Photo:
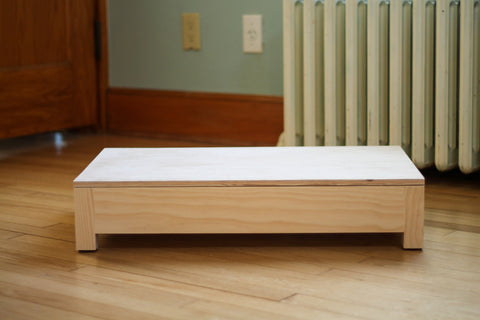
234 119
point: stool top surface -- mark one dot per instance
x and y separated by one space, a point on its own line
250 166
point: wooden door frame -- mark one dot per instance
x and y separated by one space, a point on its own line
101 16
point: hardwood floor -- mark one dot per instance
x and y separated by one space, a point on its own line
222 277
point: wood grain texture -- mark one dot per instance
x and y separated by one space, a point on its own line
249 209
328 276
414 218
83 61
234 118
102 65
22 88
85 237
33 32
47 67
381 165
48 89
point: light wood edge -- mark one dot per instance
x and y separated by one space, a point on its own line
280 183
85 237
414 218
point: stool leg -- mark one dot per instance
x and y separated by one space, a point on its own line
413 233
86 239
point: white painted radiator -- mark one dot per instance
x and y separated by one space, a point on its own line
407 75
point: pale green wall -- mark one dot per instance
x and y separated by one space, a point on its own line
145 46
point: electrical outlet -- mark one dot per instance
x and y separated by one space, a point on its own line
252 33
191 31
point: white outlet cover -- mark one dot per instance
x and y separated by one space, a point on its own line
252 33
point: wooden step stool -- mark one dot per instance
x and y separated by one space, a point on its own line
250 190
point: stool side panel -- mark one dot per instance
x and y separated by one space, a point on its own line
250 209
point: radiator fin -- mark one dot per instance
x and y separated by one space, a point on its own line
469 86
376 72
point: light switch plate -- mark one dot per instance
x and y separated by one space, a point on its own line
252 33
191 31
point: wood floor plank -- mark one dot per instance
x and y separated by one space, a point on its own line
170 266
28 310
448 248
465 218
35 217
352 276
59 301
437 278
40 196
48 232
20 258
426 300
148 300
6 234
467 239
352 308
229 311
242 303
207 272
